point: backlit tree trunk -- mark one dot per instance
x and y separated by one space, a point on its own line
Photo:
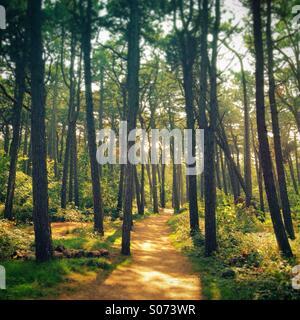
133 66
91 135
264 149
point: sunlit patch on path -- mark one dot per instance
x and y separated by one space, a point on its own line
157 271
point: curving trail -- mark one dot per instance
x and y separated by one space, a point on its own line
157 271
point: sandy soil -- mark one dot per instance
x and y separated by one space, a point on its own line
157 271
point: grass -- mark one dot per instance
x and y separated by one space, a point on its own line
247 265
31 280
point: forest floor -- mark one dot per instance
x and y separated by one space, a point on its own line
156 271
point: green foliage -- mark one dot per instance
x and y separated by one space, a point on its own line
54 187
22 208
31 280
295 205
23 189
4 165
71 213
13 239
247 249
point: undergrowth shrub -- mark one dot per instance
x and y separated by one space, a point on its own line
72 214
13 239
247 247
4 165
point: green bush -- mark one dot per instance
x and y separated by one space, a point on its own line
4 165
72 214
13 239
23 214
23 190
247 247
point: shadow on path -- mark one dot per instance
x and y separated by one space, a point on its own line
157 271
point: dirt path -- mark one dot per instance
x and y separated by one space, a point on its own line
157 271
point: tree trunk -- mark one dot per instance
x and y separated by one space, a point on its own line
297 159
91 135
264 149
63 195
143 189
260 183
188 57
14 147
42 229
6 139
247 143
238 189
137 191
292 173
67 167
175 194
223 143
286 210
133 66
71 165
120 189
52 136
101 105
76 181
218 174
223 173
149 180
61 150
258 173
162 187
209 138
154 189
74 155
233 181
25 146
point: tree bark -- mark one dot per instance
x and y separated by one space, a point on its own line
218 173
133 66
67 166
209 140
154 189
120 189
188 58
223 174
25 146
258 173
247 142
264 149
286 210
143 189
53 122
6 139
14 147
91 135
42 229
297 159
137 191
292 173
162 187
